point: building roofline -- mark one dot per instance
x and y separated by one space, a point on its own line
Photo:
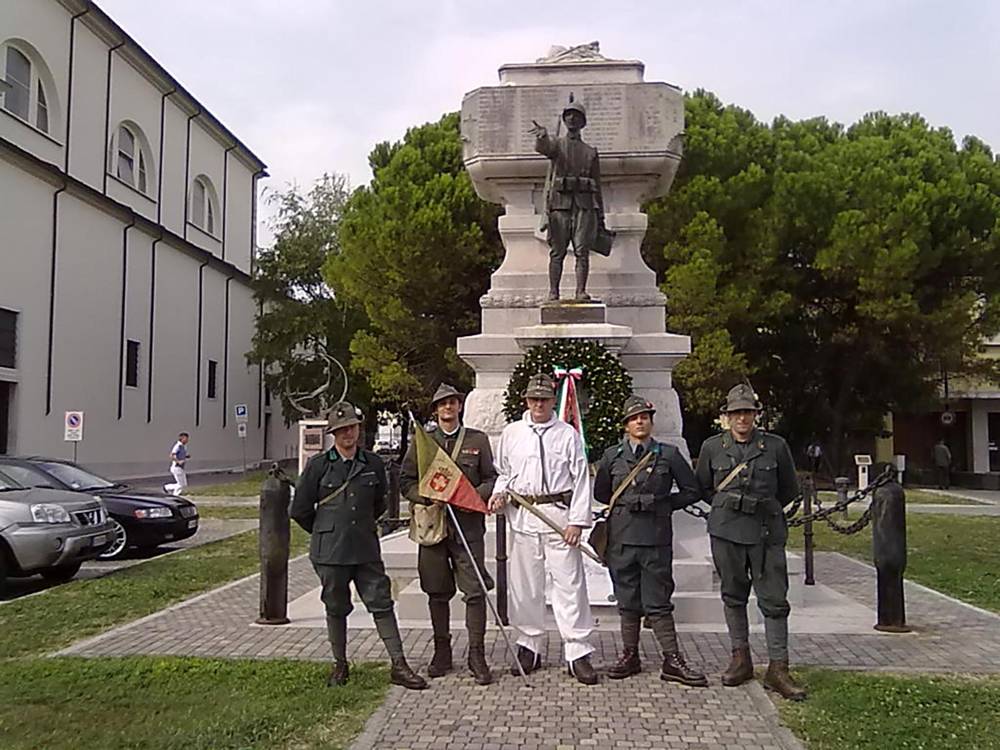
106 28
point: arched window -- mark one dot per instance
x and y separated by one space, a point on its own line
204 204
28 90
130 157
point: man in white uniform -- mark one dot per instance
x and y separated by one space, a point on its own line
178 457
542 459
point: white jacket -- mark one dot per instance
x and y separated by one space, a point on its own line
519 468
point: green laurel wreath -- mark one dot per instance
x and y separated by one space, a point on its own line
605 380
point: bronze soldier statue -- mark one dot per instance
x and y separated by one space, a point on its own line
574 203
635 478
442 562
338 499
748 477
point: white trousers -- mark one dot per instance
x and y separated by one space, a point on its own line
531 556
180 481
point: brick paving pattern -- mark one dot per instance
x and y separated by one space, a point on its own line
947 637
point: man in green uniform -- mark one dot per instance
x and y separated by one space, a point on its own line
640 537
441 559
748 476
338 498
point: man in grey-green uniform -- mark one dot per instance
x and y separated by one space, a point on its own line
640 537
338 499
748 477
442 562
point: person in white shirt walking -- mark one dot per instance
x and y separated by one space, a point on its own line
178 457
542 459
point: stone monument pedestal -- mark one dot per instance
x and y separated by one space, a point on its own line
636 127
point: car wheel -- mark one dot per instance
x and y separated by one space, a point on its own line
118 545
3 571
62 573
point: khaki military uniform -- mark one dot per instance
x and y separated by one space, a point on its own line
445 565
748 529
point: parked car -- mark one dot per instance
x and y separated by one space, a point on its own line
141 519
48 531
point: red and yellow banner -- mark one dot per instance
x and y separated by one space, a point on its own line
440 477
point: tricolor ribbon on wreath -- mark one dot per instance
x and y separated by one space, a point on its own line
568 409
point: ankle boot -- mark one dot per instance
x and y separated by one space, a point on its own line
401 674
583 671
441 661
627 665
528 659
477 665
675 669
780 681
338 675
740 669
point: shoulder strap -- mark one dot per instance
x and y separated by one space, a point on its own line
731 476
628 479
458 444
334 495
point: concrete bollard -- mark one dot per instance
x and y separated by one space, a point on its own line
889 555
275 536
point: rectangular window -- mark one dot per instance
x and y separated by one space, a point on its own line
18 96
8 339
212 368
132 364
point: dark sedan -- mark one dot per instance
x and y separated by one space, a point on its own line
141 519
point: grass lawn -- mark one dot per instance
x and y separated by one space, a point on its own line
54 619
242 485
854 711
230 511
182 703
913 497
957 555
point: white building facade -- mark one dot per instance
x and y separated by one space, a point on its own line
127 231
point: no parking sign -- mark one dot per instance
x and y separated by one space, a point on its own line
73 427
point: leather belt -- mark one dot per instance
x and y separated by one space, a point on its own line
559 497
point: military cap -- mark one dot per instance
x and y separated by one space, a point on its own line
540 386
446 391
741 396
343 414
575 107
636 404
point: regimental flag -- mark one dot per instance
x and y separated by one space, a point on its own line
568 402
440 477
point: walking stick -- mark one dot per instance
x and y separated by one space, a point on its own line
486 593
530 507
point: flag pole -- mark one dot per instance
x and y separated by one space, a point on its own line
530 507
486 593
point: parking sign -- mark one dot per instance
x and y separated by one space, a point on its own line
73 427
241 413
241 429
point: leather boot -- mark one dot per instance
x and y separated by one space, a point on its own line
477 665
627 665
401 674
675 669
583 671
338 675
475 624
582 271
528 659
780 681
441 662
740 669
555 276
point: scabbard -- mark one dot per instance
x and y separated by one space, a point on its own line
537 513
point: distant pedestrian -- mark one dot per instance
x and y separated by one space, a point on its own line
178 457
814 452
942 464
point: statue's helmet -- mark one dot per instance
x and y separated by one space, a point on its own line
576 107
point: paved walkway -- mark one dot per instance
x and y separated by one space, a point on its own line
948 637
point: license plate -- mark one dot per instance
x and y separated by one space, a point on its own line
193 523
97 541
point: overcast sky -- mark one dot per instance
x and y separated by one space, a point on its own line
311 85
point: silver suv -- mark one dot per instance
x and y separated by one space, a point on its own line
51 532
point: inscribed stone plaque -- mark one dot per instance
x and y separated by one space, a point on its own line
621 118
